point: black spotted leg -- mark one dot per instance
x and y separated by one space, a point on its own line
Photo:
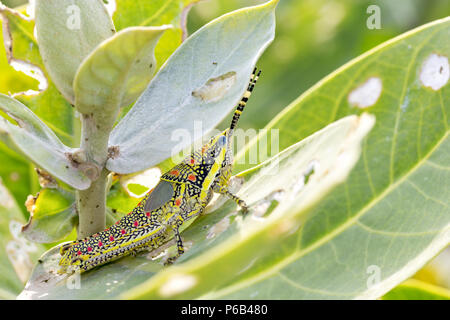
236 199
179 241
222 189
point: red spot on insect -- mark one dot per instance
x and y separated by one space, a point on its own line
136 223
89 249
122 231
175 173
192 178
100 244
111 238
79 253
192 161
178 202
117 222
148 214
203 149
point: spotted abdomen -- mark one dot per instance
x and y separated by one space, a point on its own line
140 229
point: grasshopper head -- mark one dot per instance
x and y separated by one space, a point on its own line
215 150
204 164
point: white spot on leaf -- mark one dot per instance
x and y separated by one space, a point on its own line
218 228
304 178
215 88
367 94
177 284
148 178
5 199
265 206
31 71
435 71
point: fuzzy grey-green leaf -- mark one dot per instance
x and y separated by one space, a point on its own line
67 31
169 106
38 143
117 71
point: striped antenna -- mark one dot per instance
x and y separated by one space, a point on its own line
244 99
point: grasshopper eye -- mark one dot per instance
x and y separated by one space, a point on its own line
222 141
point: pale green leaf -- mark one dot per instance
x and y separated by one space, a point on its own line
37 142
182 94
67 31
117 71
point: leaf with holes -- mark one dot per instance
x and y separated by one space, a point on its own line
392 215
52 218
222 242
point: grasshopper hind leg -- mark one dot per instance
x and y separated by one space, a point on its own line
180 246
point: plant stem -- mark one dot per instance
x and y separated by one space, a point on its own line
91 204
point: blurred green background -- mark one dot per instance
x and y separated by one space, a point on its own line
313 38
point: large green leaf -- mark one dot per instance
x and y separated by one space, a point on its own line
17 255
280 193
201 82
395 202
67 31
417 290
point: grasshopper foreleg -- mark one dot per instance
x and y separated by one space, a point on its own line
236 199
222 189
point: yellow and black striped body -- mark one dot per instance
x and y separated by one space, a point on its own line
181 195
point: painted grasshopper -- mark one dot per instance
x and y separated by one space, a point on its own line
181 195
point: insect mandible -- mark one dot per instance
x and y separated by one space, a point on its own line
181 195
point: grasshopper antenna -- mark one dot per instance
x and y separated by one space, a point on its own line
245 98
